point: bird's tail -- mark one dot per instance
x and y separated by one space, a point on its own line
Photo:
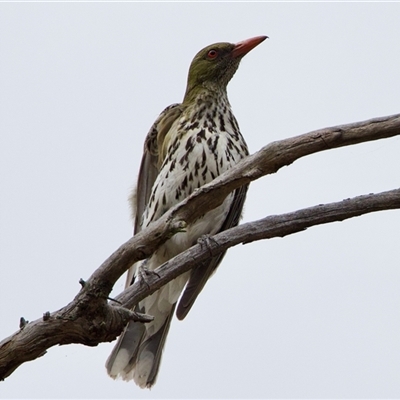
137 354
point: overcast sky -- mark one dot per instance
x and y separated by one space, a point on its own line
315 314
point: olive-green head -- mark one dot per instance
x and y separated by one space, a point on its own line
214 66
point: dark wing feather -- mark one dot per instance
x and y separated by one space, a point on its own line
200 274
149 168
147 175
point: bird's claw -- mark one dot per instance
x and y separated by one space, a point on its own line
207 241
144 273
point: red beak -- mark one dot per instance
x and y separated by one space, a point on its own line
242 48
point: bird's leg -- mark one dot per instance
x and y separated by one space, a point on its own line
144 273
207 241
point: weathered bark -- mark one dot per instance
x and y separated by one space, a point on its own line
90 320
266 228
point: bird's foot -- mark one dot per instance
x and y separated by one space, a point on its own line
144 274
208 242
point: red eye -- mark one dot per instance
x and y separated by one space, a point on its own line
212 54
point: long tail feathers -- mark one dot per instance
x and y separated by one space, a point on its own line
137 355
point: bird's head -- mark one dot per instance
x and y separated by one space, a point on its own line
215 65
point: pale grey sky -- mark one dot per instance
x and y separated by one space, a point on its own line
315 314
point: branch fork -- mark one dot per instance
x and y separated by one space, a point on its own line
89 319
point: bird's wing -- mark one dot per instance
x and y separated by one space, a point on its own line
149 168
200 274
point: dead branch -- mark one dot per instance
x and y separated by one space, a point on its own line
266 228
90 320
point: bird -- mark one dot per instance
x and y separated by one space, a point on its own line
189 145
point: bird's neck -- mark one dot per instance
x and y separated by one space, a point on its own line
207 92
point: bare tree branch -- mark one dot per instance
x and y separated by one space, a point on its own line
266 228
90 320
